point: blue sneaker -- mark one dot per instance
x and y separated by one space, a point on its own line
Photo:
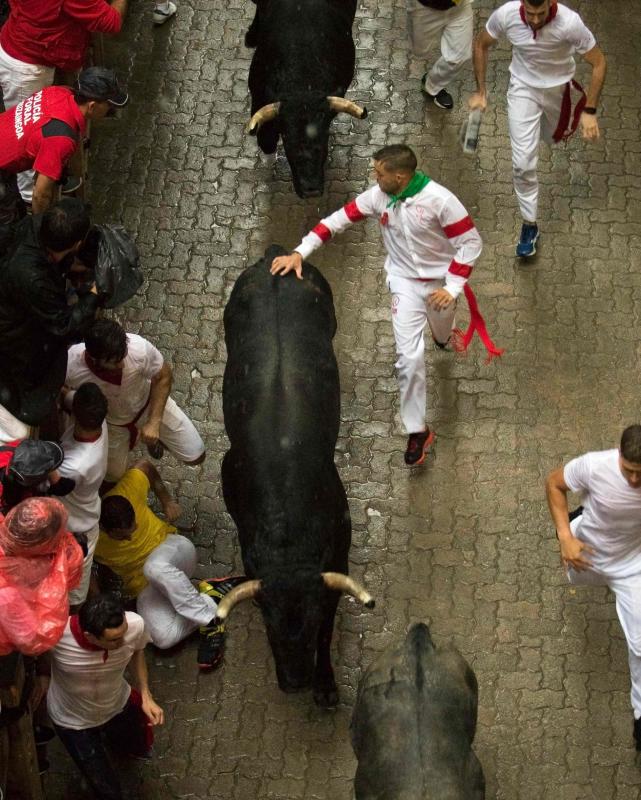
527 243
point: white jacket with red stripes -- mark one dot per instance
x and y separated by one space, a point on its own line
427 236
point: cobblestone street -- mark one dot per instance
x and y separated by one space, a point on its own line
465 544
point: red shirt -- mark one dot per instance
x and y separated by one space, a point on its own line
56 33
33 137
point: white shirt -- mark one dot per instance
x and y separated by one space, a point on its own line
611 521
142 362
86 688
547 59
86 463
429 235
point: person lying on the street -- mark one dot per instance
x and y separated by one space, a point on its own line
157 565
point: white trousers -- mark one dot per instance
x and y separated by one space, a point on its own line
170 604
627 593
452 29
79 594
177 432
532 113
19 80
410 314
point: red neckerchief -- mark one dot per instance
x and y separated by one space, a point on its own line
81 639
87 438
553 11
108 375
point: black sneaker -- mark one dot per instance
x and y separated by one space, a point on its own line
636 732
211 647
417 446
442 99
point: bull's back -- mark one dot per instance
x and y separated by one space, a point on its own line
281 384
304 45
414 723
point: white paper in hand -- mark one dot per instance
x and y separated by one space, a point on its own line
469 134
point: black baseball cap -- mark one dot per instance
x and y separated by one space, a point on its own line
34 459
100 83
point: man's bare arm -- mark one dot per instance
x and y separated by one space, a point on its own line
572 549
44 193
170 507
158 395
480 57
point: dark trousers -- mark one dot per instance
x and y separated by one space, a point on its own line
126 733
12 209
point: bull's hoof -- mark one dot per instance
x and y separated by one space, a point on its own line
326 696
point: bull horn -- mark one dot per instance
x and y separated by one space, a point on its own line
263 115
339 104
343 583
246 591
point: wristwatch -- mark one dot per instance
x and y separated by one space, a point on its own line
589 110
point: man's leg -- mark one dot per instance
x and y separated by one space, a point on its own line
118 453
86 748
11 428
524 117
456 51
130 732
183 608
440 322
179 435
628 604
409 316
551 100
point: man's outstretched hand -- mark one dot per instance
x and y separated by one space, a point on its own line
281 265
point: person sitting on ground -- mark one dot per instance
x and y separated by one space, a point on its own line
85 462
136 381
89 699
36 323
156 565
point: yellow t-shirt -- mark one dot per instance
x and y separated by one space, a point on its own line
127 558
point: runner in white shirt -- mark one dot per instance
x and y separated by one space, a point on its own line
85 445
542 99
432 245
136 381
89 698
602 544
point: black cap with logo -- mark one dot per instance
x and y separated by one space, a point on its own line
100 83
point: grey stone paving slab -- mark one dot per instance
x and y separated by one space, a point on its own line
464 544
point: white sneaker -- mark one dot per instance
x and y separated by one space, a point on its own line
161 16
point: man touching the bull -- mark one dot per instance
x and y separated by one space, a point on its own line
432 245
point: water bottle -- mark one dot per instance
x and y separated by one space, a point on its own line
470 131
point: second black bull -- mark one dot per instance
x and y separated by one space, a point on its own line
302 67
281 403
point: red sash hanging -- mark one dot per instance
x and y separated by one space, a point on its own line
572 105
461 341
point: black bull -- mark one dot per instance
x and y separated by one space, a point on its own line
304 62
281 403
413 725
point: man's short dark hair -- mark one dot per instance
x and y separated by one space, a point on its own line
116 513
396 157
535 3
631 444
100 612
89 406
64 224
106 340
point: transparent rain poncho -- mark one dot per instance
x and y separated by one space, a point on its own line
40 562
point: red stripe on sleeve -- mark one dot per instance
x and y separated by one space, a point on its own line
464 270
323 232
353 212
457 228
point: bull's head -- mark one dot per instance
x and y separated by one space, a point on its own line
303 123
294 608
